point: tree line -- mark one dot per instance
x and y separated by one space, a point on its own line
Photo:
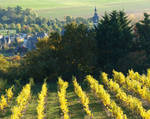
113 44
28 21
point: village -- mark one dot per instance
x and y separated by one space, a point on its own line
20 42
14 43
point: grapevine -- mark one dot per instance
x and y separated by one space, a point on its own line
62 97
83 97
41 102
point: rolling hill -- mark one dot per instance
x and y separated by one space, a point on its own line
84 8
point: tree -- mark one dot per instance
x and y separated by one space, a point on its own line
143 38
36 28
4 64
69 19
5 19
18 10
5 26
143 33
28 29
38 20
45 27
114 39
40 63
12 26
18 28
67 55
78 46
1 26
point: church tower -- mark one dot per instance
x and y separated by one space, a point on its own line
95 18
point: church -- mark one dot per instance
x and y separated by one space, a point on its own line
95 18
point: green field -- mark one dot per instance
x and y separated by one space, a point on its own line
84 8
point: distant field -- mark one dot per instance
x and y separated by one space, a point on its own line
84 8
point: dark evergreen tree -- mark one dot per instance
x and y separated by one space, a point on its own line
114 39
143 33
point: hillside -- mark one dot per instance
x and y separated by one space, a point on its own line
118 98
59 9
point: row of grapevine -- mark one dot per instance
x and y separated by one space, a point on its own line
105 98
22 101
62 97
132 85
144 79
42 101
83 97
4 102
130 102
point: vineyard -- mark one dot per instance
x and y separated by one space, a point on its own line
110 97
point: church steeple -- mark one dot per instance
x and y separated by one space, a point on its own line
95 17
95 10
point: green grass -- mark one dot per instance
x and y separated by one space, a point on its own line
62 8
